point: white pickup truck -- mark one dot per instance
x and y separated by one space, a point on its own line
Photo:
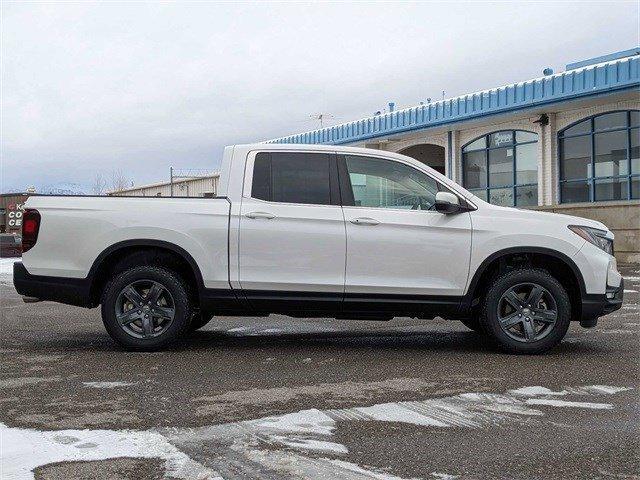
319 231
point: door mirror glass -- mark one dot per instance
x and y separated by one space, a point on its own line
447 202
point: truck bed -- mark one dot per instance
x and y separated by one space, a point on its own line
76 230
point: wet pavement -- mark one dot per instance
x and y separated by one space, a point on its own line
286 398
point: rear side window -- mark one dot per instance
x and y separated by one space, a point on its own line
292 177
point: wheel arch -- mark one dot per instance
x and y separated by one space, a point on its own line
560 265
112 256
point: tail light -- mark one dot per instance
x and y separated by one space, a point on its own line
30 228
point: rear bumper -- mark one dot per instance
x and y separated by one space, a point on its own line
595 306
72 291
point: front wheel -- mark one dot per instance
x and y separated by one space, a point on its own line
146 308
526 311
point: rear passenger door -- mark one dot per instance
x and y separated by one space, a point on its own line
292 243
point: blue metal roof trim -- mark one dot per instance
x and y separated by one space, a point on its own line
604 58
591 80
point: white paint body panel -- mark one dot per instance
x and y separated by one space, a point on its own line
308 247
409 252
75 230
301 249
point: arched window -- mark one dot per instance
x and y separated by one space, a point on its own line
600 158
502 168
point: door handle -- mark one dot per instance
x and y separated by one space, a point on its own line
265 215
364 221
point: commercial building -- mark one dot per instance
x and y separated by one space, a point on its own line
204 186
567 142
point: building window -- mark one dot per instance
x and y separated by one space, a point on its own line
600 158
502 168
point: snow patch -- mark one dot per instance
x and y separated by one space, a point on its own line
605 389
108 384
311 421
566 403
6 270
534 391
311 444
25 449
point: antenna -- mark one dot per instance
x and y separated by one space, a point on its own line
320 117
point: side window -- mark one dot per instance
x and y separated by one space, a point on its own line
382 183
292 177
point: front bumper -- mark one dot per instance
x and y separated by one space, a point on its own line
72 291
595 306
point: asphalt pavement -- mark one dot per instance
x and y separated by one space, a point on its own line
281 398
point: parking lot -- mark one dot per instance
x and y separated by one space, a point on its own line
267 398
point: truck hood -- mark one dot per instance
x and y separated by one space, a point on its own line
559 218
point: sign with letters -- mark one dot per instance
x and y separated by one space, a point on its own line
14 215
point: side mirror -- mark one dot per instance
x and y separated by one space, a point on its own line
447 202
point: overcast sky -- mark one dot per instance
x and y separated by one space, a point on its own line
89 87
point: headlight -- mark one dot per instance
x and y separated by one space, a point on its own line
595 236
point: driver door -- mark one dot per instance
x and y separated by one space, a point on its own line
396 243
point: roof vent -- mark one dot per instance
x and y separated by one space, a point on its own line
547 71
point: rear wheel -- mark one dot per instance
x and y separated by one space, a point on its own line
526 311
146 308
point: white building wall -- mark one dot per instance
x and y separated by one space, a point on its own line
191 187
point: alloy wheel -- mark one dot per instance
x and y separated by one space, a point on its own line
527 312
145 309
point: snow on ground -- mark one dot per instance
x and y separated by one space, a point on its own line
107 384
6 270
282 443
24 449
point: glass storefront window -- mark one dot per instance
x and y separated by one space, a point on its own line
610 153
635 150
527 196
610 120
475 173
478 144
573 192
502 167
611 189
501 196
500 139
576 154
579 128
527 163
603 153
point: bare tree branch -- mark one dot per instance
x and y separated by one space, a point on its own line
119 181
99 184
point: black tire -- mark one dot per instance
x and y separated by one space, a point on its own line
181 304
473 323
199 320
551 334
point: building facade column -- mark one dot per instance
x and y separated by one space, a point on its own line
456 157
548 163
